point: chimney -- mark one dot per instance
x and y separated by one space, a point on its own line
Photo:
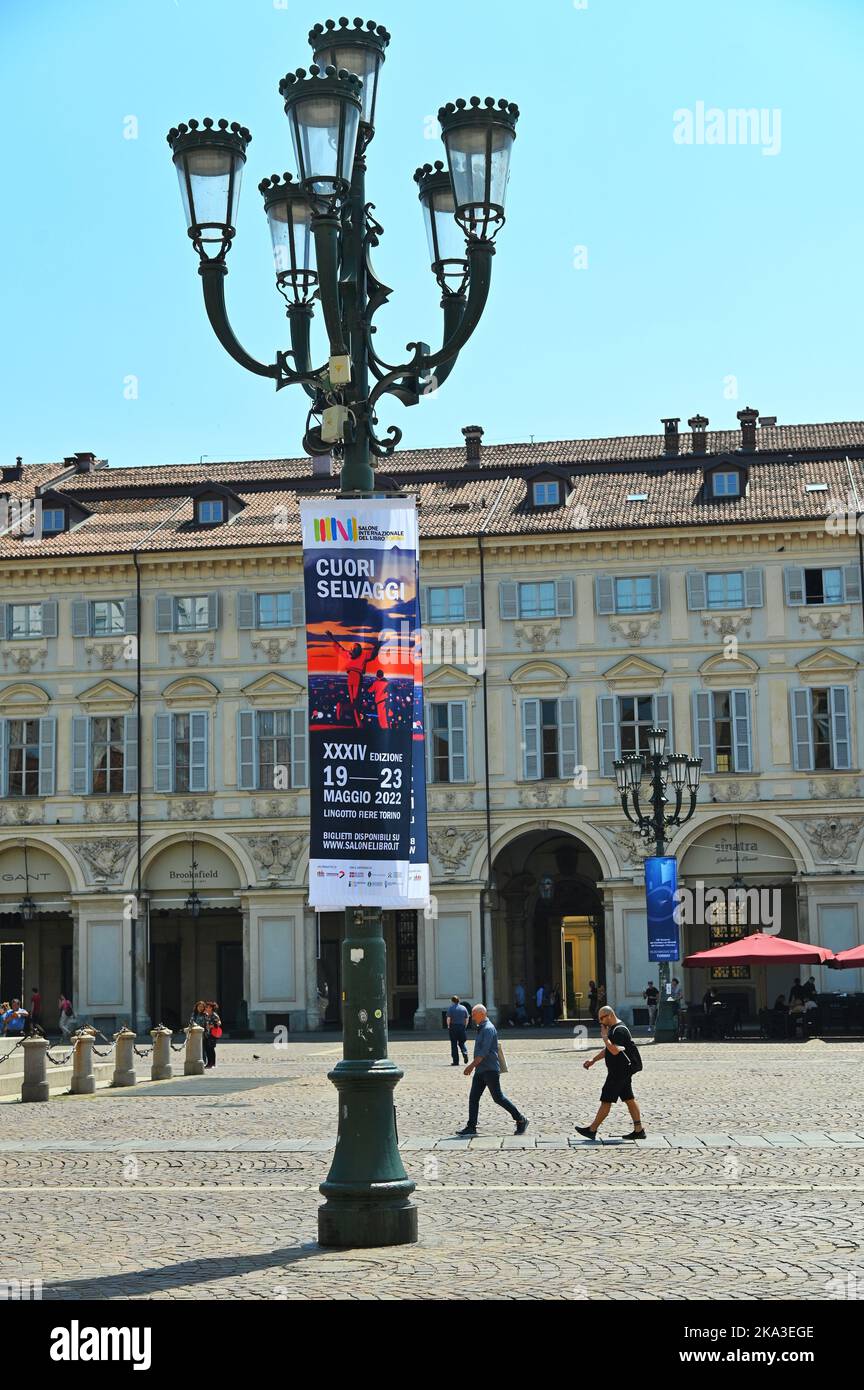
698 424
748 417
670 434
473 435
84 462
15 472
767 421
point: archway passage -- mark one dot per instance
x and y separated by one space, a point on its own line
194 955
36 945
549 928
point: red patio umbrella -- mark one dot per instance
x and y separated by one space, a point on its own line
853 959
759 949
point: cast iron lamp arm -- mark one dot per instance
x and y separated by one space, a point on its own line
213 280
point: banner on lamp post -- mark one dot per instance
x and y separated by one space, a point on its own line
366 764
661 884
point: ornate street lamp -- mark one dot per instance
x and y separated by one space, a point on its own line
681 772
193 902
323 232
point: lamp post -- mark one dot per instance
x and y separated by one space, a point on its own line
663 769
323 232
193 902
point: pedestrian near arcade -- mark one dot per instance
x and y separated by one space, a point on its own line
651 994
212 1033
485 1073
622 1059
457 1023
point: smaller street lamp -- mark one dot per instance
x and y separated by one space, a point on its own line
446 239
193 902
680 771
209 161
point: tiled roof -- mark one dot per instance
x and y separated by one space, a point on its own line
150 509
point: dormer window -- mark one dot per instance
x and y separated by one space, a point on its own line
53 520
547 493
210 511
725 484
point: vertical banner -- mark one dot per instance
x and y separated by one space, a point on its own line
661 884
367 782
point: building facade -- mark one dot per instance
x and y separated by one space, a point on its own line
153 781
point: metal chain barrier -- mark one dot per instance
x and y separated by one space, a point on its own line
12 1051
109 1041
60 1061
142 1051
179 1047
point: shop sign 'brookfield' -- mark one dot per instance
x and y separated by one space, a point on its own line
366 765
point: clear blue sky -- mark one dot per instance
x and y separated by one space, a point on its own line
704 261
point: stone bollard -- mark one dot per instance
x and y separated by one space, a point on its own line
83 1080
124 1058
160 1069
35 1084
193 1062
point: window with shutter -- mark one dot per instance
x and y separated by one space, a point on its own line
841 745
164 613
568 738
198 774
508 600
531 740
753 589
604 593
793 584
696 590
742 738
458 749
662 714
244 607
298 607
130 753
472 603
163 753
130 615
564 598
4 757
81 756
299 727
80 618
802 730
703 709
608 727
852 583
49 618
47 755
246 757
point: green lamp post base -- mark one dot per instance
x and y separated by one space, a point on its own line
367 1188
666 1026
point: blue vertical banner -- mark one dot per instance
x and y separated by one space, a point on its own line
661 884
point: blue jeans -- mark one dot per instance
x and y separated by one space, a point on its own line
491 1081
457 1044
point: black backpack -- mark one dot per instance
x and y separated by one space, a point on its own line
634 1056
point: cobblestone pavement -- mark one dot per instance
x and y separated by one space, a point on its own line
750 1186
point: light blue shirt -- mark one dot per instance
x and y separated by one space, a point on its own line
486 1046
458 1016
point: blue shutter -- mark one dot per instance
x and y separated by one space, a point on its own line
841 747
246 751
802 730
568 738
793 583
531 740
47 751
245 608
703 714
753 595
4 760
852 583
298 607
655 592
508 600
457 741
299 725
198 771
472 603
564 598
213 607
604 593
81 775
164 613
130 615
163 753
423 593
80 618
607 726
662 716
741 733
130 752
4 619
696 590
49 618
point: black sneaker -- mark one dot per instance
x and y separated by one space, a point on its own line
586 1133
465 1133
637 1134
522 1125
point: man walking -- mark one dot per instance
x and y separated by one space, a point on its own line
618 1046
485 1071
651 995
457 1022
